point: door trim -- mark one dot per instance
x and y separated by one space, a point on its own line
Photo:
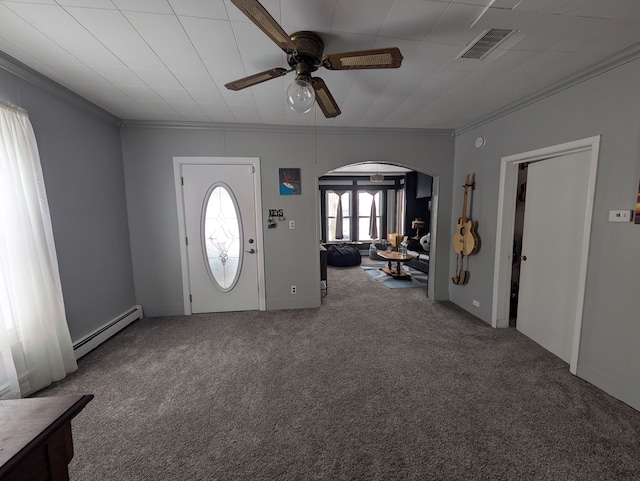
178 162
508 184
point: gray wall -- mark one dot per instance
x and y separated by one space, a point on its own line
608 104
80 149
290 255
81 156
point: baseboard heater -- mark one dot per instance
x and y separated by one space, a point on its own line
97 337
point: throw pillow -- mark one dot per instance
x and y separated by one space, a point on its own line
425 241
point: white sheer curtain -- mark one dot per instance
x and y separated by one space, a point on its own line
35 343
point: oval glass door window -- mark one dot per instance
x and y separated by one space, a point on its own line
222 237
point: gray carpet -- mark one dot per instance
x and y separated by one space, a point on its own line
377 384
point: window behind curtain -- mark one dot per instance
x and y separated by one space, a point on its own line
364 199
400 204
35 344
332 208
364 214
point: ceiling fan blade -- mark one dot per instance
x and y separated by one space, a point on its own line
379 58
257 78
265 22
324 99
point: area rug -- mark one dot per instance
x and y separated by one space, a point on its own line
417 279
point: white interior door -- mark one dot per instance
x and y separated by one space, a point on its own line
554 226
220 226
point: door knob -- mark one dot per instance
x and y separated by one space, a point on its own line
523 258
251 251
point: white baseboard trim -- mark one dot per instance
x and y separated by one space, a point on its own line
4 391
100 335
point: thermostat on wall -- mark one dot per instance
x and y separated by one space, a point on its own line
619 216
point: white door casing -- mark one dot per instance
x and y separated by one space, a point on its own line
505 230
551 251
196 178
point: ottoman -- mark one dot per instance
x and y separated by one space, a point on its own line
343 255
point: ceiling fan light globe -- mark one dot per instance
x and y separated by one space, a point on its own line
300 96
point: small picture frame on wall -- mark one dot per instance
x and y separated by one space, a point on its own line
637 216
290 181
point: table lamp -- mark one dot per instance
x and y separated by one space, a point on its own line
418 224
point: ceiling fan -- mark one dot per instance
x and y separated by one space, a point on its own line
305 55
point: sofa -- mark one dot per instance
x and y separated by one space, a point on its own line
420 260
419 250
391 243
379 245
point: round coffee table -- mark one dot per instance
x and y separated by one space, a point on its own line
398 258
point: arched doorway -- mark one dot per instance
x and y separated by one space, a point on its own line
400 193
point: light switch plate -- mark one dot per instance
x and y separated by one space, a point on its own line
619 216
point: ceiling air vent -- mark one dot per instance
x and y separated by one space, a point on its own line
486 43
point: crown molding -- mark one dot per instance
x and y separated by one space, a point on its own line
39 80
35 78
616 60
273 128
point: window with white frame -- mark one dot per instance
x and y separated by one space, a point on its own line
369 215
368 209
338 215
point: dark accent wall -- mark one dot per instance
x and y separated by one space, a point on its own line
425 185
81 155
417 205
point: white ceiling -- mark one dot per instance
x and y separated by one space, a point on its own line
168 60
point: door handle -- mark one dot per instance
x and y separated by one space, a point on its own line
523 258
251 251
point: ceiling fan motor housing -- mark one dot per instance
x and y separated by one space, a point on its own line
304 51
310 47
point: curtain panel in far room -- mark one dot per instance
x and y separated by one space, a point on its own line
35 344
339 218
373 216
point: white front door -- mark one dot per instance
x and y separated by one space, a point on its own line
552 250
219 203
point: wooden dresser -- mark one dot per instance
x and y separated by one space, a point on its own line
35 437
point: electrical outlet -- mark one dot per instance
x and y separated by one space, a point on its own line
294 290
292 224
620 216
476 303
